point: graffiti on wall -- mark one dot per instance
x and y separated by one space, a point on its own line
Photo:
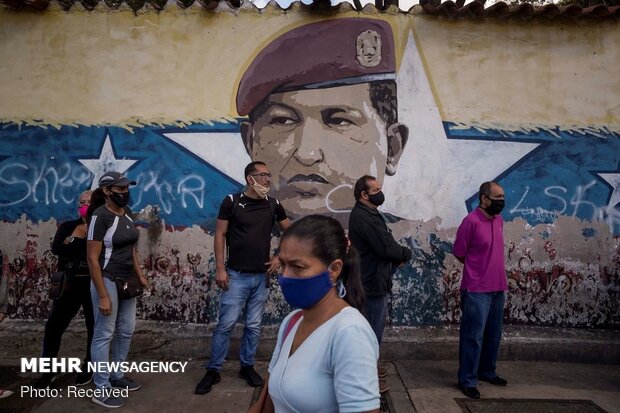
322 117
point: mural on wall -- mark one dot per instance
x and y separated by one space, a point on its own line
344 102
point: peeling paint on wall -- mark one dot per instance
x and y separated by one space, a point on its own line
182 142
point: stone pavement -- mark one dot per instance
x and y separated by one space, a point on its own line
416 386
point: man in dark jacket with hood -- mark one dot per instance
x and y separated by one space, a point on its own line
380 254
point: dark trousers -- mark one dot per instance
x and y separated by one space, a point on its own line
375 310
63 311
480 335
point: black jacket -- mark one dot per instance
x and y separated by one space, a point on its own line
380 254
73 255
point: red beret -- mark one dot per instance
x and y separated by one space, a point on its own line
318 55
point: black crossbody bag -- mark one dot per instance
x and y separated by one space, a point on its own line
128 287
58 284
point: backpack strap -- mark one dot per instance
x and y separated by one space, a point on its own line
291 323
234 198
273 204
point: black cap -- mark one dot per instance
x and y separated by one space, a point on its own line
114 179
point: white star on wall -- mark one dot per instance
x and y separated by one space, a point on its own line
613 179
436 175
222 150
106 162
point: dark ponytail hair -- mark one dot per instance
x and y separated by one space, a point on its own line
330 243
97 198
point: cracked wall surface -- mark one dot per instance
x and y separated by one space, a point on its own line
154 95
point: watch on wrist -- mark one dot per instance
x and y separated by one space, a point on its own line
70 239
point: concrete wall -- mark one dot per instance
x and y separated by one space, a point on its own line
535 106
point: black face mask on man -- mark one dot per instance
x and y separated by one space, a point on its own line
121 199
376 199
496 207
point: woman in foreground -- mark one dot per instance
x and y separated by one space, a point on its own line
325 359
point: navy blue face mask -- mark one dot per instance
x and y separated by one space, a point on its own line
305 292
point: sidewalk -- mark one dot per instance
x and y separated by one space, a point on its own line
432 384
416 386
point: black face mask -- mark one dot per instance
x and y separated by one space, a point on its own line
496 207
121 199
377 199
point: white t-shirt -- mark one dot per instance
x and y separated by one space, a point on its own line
334 369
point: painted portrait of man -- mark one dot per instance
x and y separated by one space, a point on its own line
322 111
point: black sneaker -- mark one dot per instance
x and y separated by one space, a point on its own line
210 378
126 383
44 381
109 402
251 376
496 381
470 392
83 378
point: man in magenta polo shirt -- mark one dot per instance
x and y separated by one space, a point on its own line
479 245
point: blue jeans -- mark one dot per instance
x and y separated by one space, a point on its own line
375 309
116 328
245 291
480 335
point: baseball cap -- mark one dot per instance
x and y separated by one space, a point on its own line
114 179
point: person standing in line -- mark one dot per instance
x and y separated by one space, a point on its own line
70 245
112 253
244 225
479 245
380 254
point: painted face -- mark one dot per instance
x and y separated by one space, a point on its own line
318 143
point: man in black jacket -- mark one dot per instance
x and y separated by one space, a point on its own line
380 254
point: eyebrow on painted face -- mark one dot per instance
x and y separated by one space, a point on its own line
279 114
342 116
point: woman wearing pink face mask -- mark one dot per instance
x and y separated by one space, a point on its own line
70 246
